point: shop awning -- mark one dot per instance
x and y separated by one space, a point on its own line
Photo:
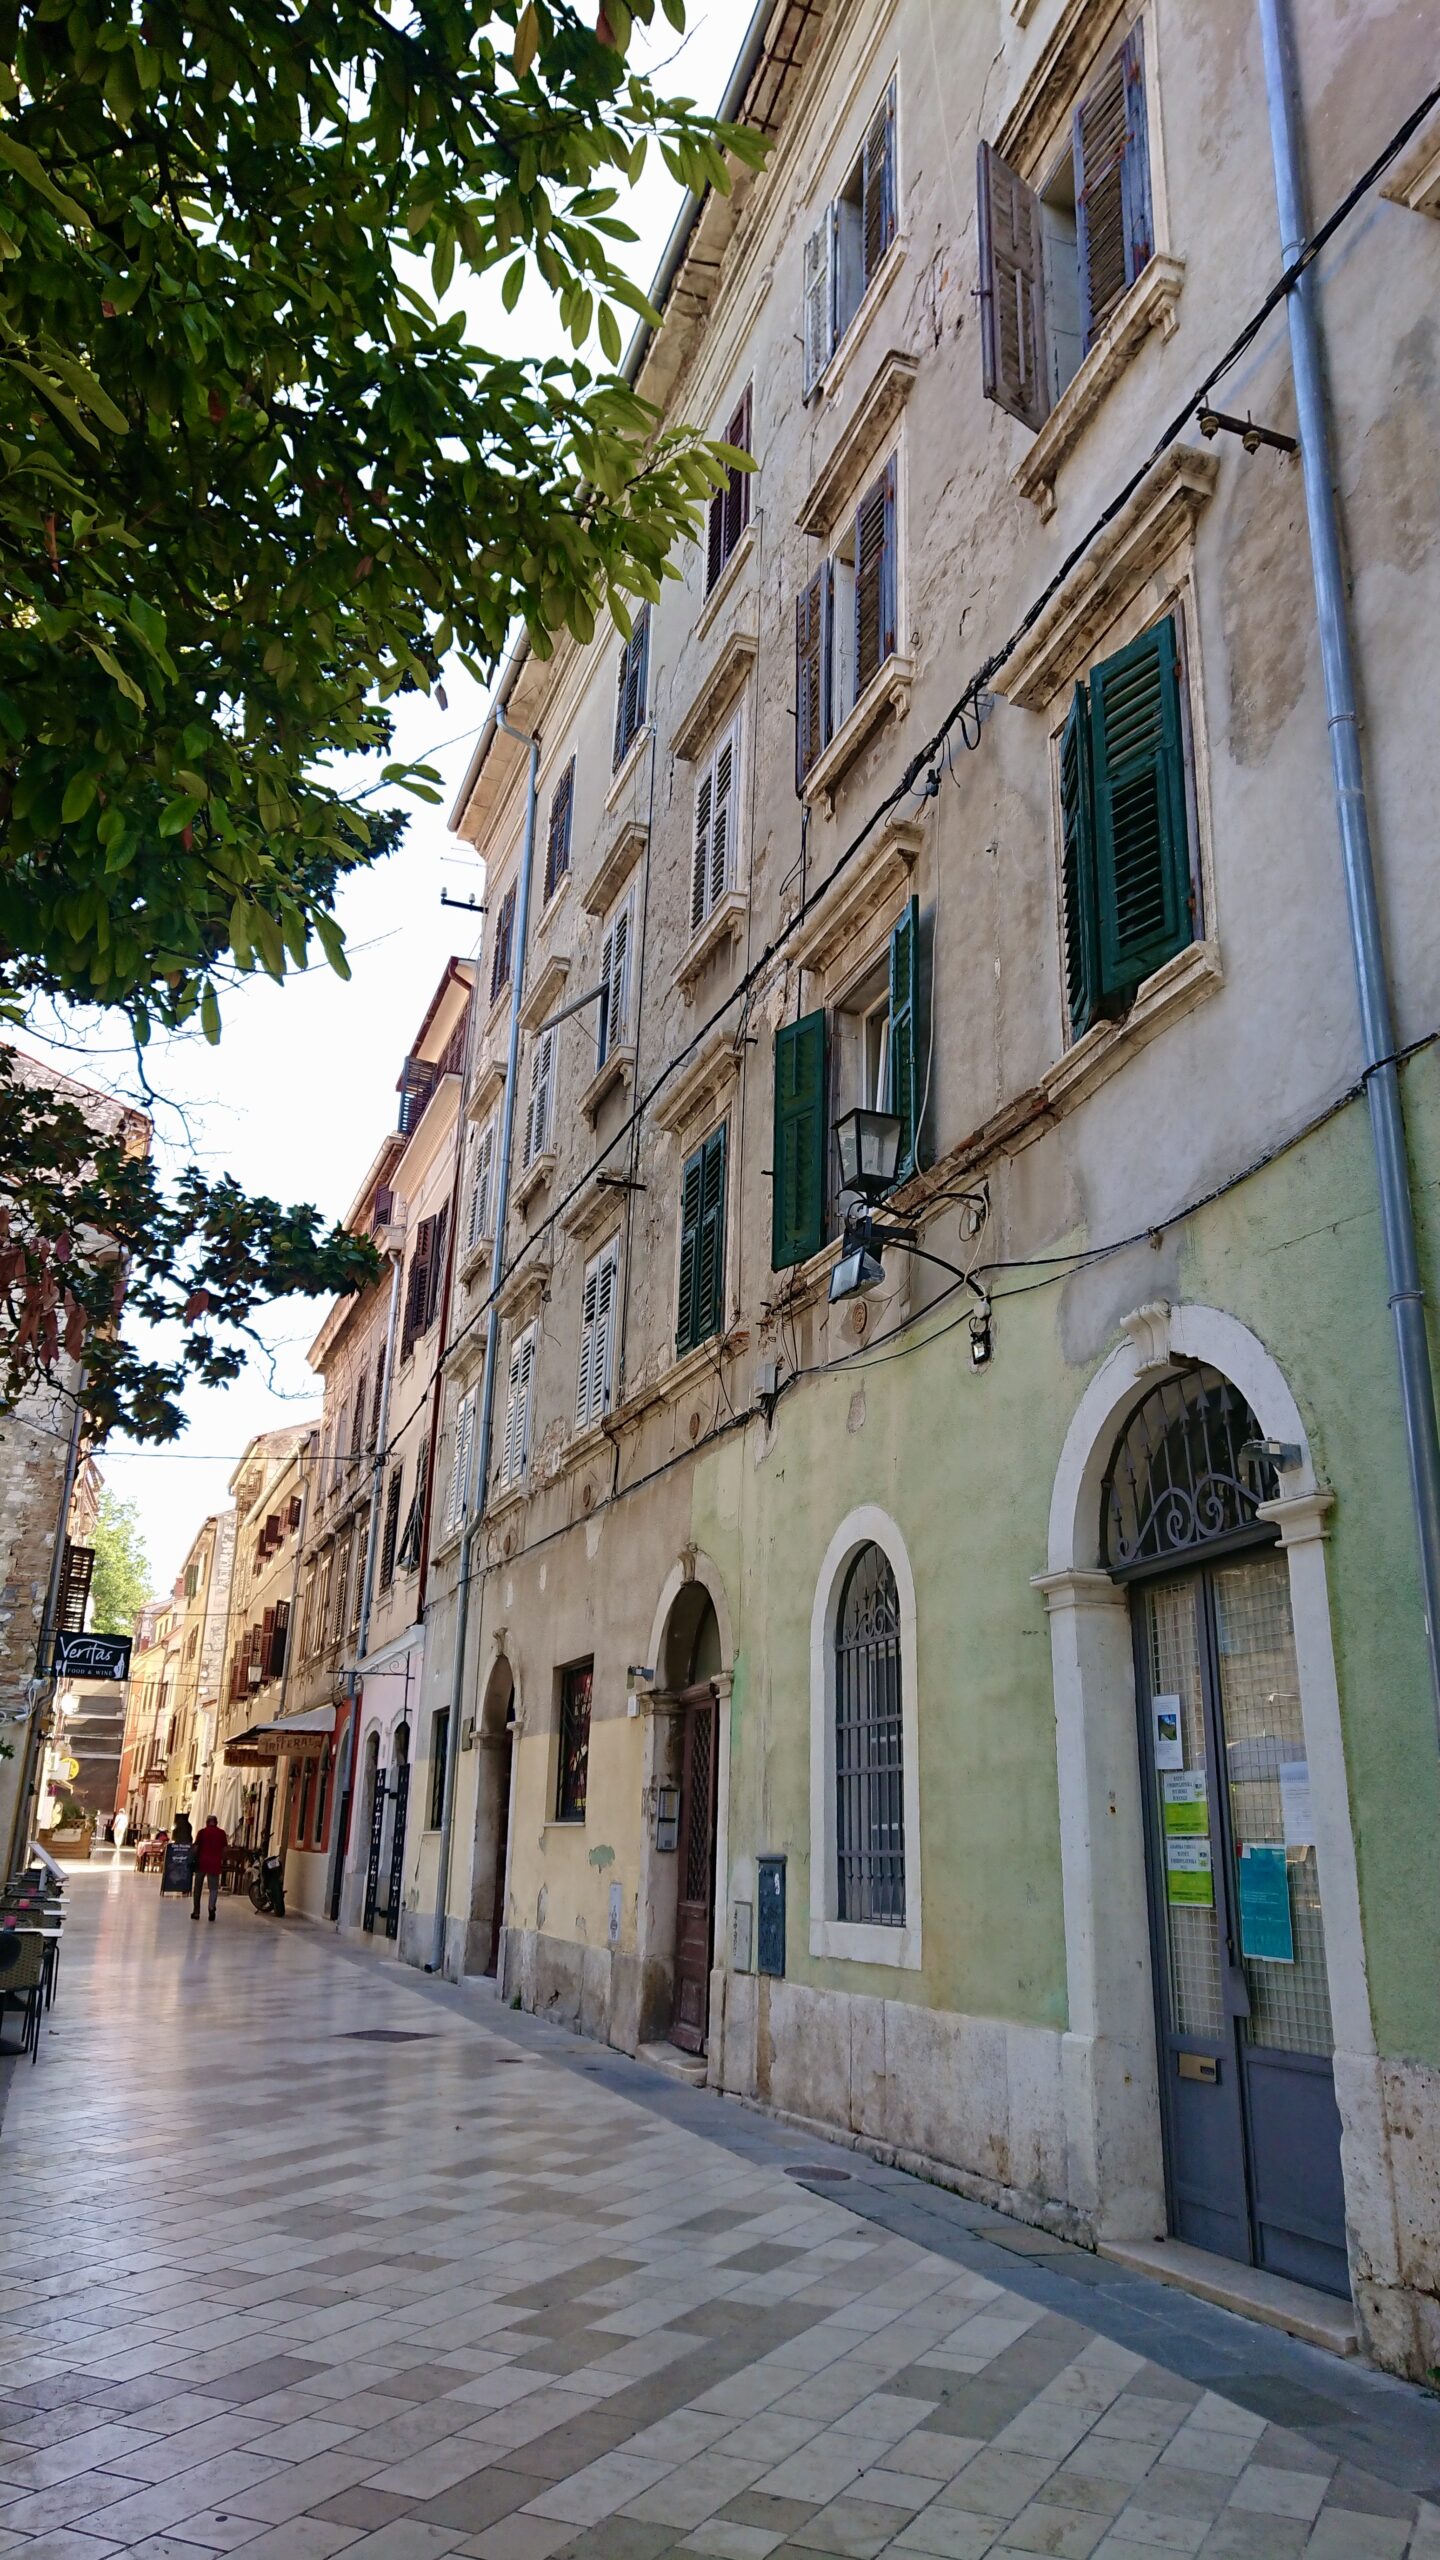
298 1737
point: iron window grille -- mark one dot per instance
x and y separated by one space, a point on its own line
869 1756
1180 1478
575 1691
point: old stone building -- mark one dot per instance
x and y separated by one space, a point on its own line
240 1783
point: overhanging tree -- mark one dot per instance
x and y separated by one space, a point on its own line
255 479
120 1581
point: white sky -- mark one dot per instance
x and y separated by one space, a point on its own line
300 1092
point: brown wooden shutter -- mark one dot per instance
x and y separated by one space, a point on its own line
75 1588
1112 187
417 1287
436 1272
875 578
1012 292
730 506
812 673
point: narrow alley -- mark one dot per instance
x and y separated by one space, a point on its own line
287 2267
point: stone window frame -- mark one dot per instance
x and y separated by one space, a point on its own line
861 1942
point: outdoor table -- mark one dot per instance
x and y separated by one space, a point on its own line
49 1937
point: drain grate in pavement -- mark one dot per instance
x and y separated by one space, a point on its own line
818 2170
385 2035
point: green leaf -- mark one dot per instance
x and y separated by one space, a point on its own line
210 1014
610 333
28 165
527 40
79 795
332 943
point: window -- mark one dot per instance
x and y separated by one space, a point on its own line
460 1468
849 243
407 1554
632 686
482 1177
614 1012
557 840
418 1079
702 1244
576 1685
502 950
1056 259
597 1327
391 1530
542 1088
340 1454
322 1797
422 1284
869 1054
302 1810
1127 889
439 1756
357 1440
730 505
717 804
515 1440
845 623
869 1772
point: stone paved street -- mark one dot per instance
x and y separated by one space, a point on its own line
301 2255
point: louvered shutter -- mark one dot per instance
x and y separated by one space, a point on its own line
722 813
557 843
735 496
417 1285
75 1588
1112 187
1082 969
700 857
905 1033
877 184
482 1163
1142 855
522 1412
812 673
630 696
797 1210
436 1273
391 1529
508 1466
818 319
710 1256
602 1365
584 1388
691 1195
504 937
537 1118
460 1469
1012 292
875 578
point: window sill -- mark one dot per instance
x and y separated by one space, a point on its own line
698 1362
859 442
489 1084
474 1261
867 1942
564 1822
615 867
554 902
1149 304
499 1010
534 1178
843 356
618 1069
506 1498
723 924
865 895
702 717
698 1091
1175 989
545 991
625 770
729 577
584 1445
887 693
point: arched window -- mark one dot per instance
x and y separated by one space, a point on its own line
869 1756
1186 1473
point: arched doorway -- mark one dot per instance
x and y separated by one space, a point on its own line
492 1825
1245 2040
690 1668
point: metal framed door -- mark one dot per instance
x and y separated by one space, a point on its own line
1252 2132
695 1904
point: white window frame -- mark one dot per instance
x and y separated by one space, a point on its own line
455 1507
709 879
612 1028
861 1942
540 1107
515 1440
594 1384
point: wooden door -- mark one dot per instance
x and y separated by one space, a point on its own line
502 1836
695 1899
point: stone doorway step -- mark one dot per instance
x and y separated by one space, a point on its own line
689 2067
1322 2319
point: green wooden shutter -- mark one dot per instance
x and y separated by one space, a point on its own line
1082 960
691 1191
1144 905
710 1257
797 1213
905 1033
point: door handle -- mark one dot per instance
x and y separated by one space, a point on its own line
1237 1989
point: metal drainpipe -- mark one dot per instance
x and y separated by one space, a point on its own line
44 1676
367 1593
480 1477
1381 1073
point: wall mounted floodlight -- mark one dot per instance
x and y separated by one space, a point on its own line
856 1274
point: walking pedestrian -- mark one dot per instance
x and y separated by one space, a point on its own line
208 1862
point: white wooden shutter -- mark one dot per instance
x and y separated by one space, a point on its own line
817 302
537 1118
592 1395
481 1171
615 977
723 811
700 869
524 1371
509 1440
460 1473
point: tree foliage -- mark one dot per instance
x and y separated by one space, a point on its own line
87 1229
120 1581
254 478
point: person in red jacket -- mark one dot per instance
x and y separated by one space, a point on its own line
208 1864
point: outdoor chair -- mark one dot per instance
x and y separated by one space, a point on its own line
22 1984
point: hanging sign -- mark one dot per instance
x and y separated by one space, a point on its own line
1267 1932
1184 1801
1188 1876
92 1657
1169 1734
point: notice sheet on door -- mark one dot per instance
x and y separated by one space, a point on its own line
1267 1932
1188 1877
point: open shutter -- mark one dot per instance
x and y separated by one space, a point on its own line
417 1287
615 985
482 1163
602 1366
1082 966
501 948
875 578
812 673
584 1385
797 1210
537 1118
877 184
391 1530
630 698
691 1194
735 496
905 1033
1112 187
460 1472
436 1273
557 843
1142 851
700 857
817 294
722 817
75 1588
710 1259
522 1410
1012 292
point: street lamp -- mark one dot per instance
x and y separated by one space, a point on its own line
869 1144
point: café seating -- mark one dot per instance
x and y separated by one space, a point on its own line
22 1983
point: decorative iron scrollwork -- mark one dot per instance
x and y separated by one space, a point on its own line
1180 1479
